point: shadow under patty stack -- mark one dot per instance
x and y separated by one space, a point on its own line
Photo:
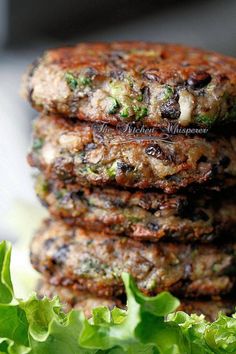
137 166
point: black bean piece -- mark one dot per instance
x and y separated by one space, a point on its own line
209 238
72 120
199 79
146 94
43 203
214 170
225 161
203 158
117 74
30 89
170 109
49 242
61 254
154 150
117 54
187 270
34 66
65 198
90 72
153 226
152 75
230 270
119 203
30 95
77 195
183 208
124 167
173 178
63 168
222 77
199 215
90 146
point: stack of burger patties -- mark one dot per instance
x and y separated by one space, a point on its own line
136 154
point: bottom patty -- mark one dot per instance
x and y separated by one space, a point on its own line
143 215
95 261
210 309
82 300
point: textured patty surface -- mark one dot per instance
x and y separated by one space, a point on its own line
210 309
84 301
147 82
94 262
71 298
142 215
93 154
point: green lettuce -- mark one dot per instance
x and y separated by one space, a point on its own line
150 325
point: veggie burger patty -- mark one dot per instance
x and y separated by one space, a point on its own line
94 262
71 298
135 81
82 300
76 152
143 215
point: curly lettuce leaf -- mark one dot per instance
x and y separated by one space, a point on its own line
103 331
8 346
221 335
150 325
193 328
61 336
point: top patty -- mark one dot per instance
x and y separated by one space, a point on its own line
135 81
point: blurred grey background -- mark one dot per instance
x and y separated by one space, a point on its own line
27 27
